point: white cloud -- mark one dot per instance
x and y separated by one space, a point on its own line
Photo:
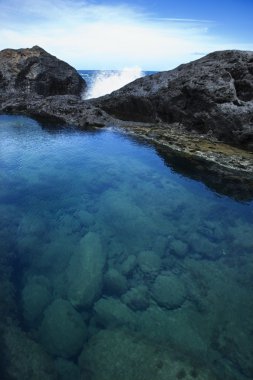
89 35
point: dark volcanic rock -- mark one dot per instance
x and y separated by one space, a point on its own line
34 71
212 95
35 83
68 109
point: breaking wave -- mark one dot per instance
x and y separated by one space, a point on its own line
105 82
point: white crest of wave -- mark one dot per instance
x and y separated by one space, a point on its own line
106 82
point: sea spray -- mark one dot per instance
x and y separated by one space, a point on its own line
106 82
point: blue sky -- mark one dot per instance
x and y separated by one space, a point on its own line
153 35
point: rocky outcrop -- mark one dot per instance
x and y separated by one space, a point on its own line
35 83
69 109
212 95
34 71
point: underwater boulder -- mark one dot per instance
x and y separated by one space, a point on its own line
137 298
126 219
36 296
169 291
118 354
63 330
128 265
149 262
204 247
114 282
67 370
178 328
111 312
25 359
178 248
85 272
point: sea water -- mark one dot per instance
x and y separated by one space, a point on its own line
115 266
102 82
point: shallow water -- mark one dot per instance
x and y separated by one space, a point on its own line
106 250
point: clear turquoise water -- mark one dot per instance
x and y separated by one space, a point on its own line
101 241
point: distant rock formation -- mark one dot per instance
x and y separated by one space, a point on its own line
212 95
34 71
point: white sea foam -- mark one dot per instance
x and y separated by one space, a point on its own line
106 82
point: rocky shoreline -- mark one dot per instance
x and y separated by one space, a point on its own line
202 110
221 156
225 169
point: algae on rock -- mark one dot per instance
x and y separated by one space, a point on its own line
63 330
85 272
117 354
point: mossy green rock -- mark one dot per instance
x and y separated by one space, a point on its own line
128 265
114 282
169 291
119 355
178 248
85 272
137 298
35 297
204 247
111 312
62 331
149 262
67 370
26 358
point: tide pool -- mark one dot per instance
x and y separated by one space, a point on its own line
115 266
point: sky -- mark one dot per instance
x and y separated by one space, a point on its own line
110 34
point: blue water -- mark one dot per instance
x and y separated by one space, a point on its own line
115 266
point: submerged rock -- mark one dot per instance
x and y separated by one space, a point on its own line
137 298
117 354
63 330
114 282
178 248
85 272
169 291
67 370
149 262
36 295
123 216
203 246
26 359
128 265
111 312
